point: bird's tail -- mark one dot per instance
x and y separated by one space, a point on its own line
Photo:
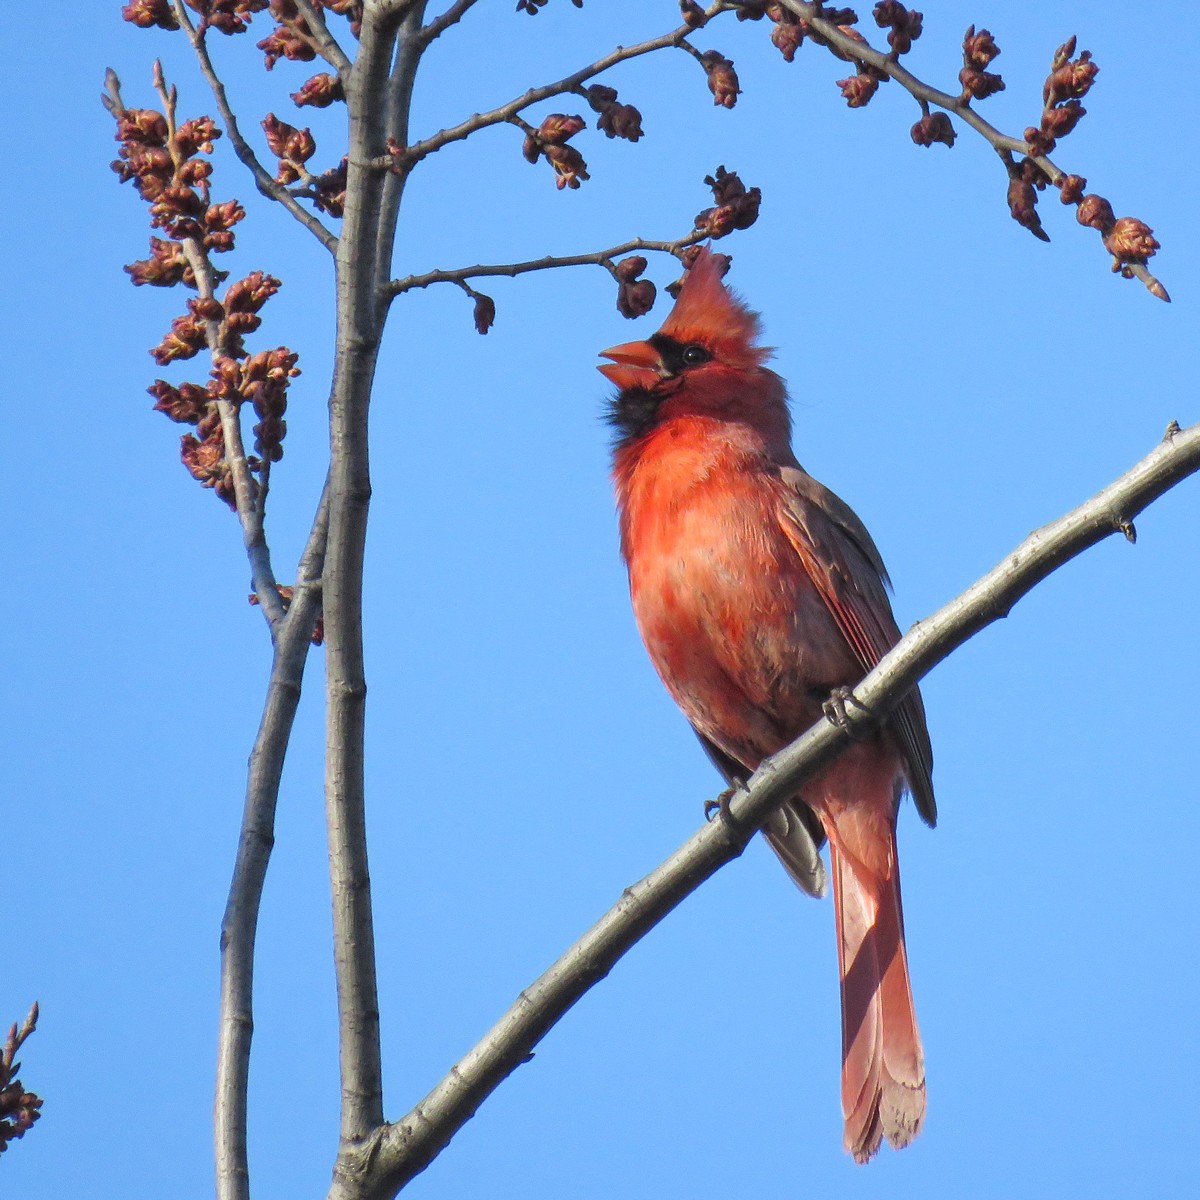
883 1067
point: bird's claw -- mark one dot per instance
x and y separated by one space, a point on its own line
720 806
835 707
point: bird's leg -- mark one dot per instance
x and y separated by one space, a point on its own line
834 707
720 806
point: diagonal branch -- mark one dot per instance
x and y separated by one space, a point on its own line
854 50
496 116
326 44
402 1149
240 923
451 16
599 258
262 177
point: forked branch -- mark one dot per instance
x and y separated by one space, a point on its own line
405 1147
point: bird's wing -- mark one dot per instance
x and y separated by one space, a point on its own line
792 831
844 564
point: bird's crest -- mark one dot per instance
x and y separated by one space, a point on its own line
709 313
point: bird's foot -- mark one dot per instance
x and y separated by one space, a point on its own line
720 807
835 707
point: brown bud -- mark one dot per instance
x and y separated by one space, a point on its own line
558 127
857 90
905 24
600 96
186 404
979 49
1095 211
330 189
485 312
635 297
1058 122
569 166
250 294
147 14
621 120
693 15
196 136
788 34
933 127
1072 187
1038 141
165 267
287 43
1130 241
320 91
1022 203
186 339
143 126
979 85
722 78
628 269
1070 79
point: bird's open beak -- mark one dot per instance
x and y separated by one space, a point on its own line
634 365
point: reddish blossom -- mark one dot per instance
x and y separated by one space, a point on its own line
933 127
722 78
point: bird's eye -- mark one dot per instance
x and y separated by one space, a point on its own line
694 355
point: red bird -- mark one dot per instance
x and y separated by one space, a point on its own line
758 593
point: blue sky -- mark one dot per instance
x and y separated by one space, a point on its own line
956 381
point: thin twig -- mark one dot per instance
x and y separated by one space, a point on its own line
960 106
570 83
329 48
451 16
262 177
407 1146
600 258
240 923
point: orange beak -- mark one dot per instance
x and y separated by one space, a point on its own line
634 365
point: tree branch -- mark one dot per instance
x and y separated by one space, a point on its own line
262 177
600 258
329 47
853 50
451 16
240 923
360 319
496 116
407 1146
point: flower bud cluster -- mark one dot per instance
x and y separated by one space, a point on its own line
1069 80
736 205
722 78
616 120
635 297
978 83
19 1109
903 25
549 139
320 91
260 380
291 38
293 147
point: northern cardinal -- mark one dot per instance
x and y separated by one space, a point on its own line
758 594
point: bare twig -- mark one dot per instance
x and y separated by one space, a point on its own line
569 83
325 43
1005 145
262 177
240 923
402 1149
600 258
451 16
